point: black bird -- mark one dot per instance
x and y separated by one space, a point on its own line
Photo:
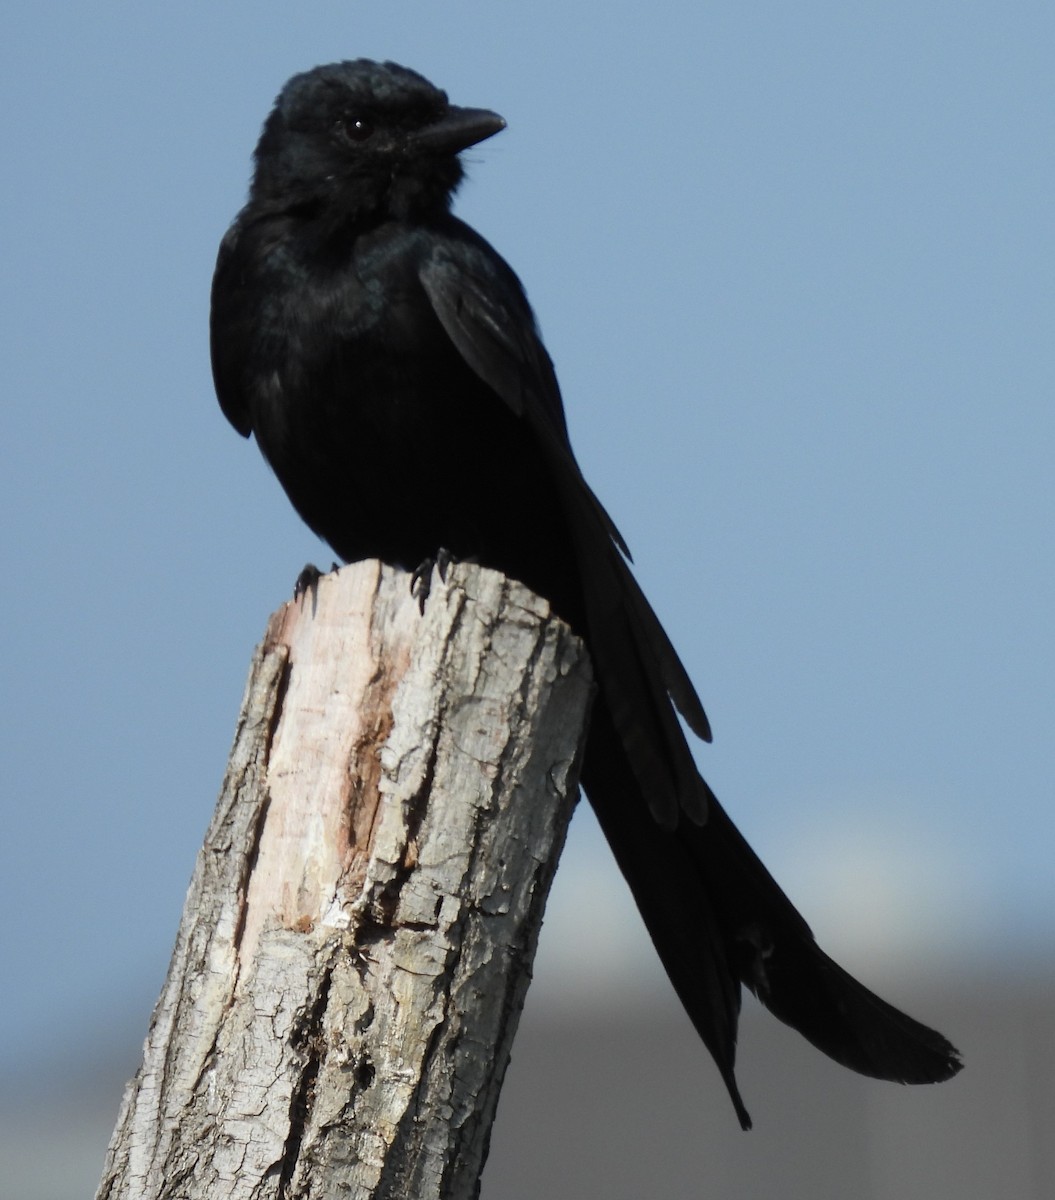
388 362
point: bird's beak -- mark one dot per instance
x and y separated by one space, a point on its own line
456 130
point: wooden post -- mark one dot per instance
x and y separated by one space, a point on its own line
358 934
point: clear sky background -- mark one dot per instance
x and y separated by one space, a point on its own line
795 265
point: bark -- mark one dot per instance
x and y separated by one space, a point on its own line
358 934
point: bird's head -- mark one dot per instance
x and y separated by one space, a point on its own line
363 140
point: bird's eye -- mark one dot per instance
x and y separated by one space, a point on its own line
357 129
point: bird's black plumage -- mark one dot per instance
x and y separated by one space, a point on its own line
388 362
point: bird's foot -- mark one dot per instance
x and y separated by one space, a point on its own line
308 581
421 580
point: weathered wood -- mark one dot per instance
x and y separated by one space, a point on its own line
358 934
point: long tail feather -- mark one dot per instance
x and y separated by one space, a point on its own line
718 920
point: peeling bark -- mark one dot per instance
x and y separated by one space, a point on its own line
358 934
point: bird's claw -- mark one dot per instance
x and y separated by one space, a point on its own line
421 579
308 580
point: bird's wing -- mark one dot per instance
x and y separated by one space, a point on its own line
494 330
491 325
228 351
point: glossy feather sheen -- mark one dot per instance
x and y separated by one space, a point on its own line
387 361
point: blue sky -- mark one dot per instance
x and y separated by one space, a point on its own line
795 266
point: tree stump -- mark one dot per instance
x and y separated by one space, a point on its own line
358 934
